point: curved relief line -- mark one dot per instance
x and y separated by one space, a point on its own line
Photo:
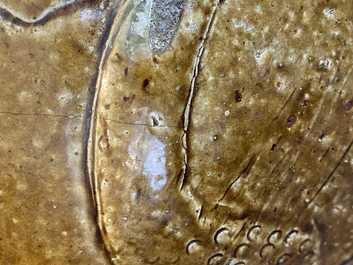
301 249
89 111
268 202
239 247
248 234
244 173
215 256
263 249
218 232
318 111
349 77
283 182
192 93
329 177
282 108
273 234
239 236
87 126
313 120
116 18
290 234
49 14
190 243
284 258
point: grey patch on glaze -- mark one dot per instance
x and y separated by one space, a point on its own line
348 262
154 166
149 153
137 39
153 26
165 17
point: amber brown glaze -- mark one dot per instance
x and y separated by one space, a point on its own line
234 146
47 215
176 132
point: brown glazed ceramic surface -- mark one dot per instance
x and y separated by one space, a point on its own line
183 132
46 70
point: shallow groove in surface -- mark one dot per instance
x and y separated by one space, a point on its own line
192 93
